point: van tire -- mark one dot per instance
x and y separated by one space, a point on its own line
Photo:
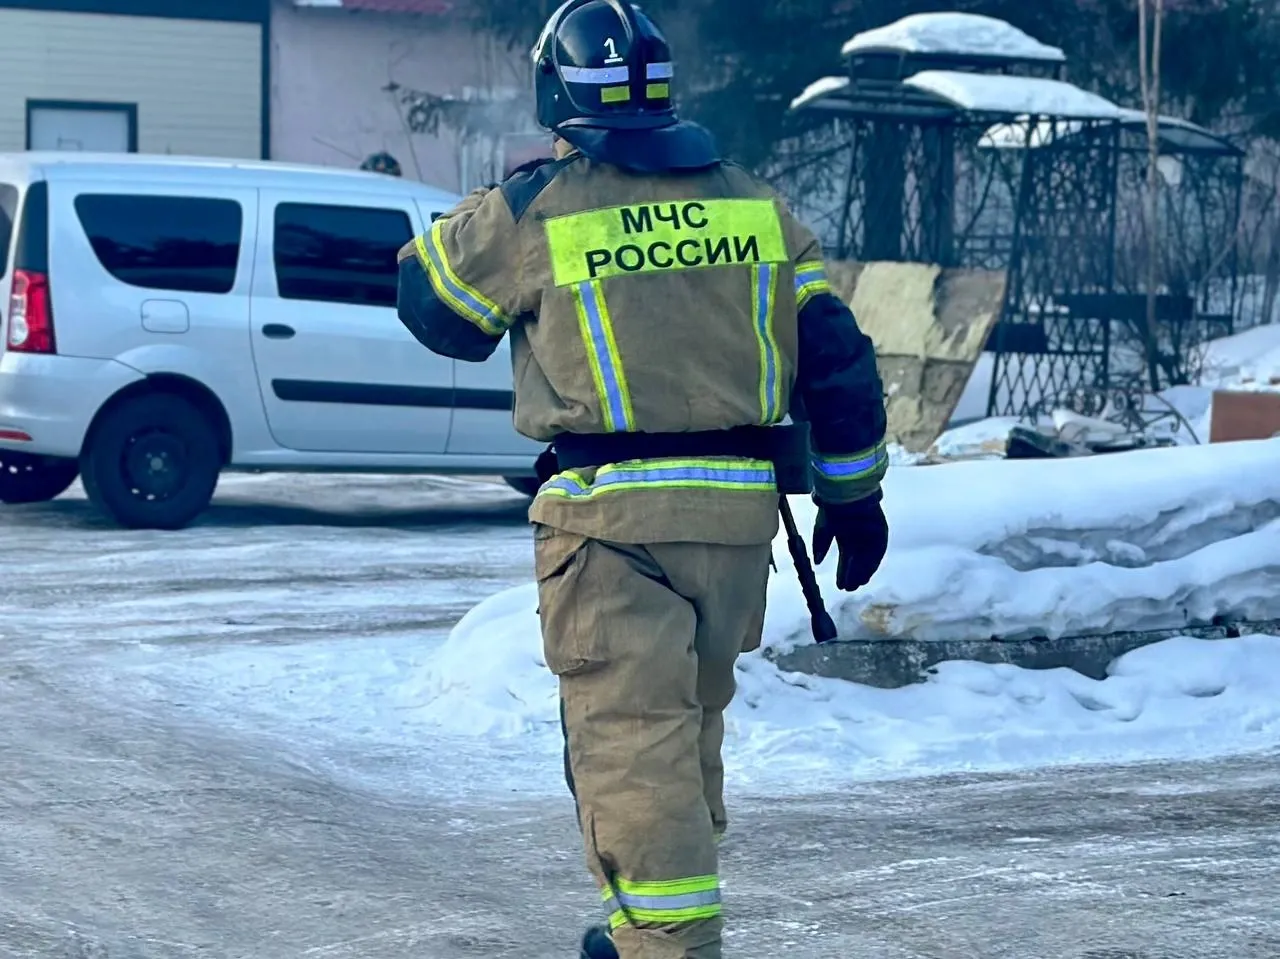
528 485
151 462
26 478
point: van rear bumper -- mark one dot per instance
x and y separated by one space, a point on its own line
53 399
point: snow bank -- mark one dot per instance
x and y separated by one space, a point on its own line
1246 361
1182 698
789 732
960 34
1017 548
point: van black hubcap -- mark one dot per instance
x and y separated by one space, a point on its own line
155 465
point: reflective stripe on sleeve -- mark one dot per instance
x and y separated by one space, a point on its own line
662 903
464 300
764 287
858 466
721 474
604 358
811 280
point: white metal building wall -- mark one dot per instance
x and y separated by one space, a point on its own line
197 84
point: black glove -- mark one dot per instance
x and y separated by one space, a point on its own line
862 532
546 465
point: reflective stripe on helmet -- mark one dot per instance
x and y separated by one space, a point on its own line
596 75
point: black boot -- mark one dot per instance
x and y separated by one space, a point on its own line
597 944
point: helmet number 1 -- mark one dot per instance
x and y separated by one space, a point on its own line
612 47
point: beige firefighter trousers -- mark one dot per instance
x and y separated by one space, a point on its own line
644 640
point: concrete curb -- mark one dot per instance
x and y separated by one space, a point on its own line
890 663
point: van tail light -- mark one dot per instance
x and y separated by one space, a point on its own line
31 314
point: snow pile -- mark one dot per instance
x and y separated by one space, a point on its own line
983 439
1246 361
958 34
1016 548
789 732
1149 539
1181 698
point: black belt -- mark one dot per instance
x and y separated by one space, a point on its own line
584 450
786 447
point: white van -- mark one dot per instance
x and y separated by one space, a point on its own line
163 319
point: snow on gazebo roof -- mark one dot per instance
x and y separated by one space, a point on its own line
954 34
819 89
999 93
1178 134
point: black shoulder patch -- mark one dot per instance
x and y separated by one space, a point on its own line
527 181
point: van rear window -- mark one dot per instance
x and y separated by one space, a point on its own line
180 243
8 216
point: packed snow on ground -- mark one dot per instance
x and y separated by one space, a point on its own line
960 34
1015 548
1012 548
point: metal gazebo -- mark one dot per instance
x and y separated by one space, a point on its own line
957 141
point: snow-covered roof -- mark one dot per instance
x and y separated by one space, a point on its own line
1174 131
954 34
1016 96
819 89
1179 132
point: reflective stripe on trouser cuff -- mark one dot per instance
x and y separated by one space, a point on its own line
811 280
662 903
855 467
725 474
466 301
604 358
764 288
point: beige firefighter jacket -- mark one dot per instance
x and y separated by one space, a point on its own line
658 304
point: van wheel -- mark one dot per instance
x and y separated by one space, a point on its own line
528 485
152 462
25 478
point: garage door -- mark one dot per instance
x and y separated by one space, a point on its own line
82 127
196 86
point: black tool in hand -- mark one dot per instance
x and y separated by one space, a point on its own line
824 627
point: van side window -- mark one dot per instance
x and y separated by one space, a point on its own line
8 213
339 254
182 243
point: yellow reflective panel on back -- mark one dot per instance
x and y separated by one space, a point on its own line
658 237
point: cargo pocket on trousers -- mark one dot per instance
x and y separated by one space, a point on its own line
755 632
558 561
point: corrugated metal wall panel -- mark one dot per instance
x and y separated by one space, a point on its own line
197 84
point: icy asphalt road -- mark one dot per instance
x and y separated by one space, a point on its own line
133 826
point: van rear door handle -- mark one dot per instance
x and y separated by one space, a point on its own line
278 331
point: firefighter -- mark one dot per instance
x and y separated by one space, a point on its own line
666 315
